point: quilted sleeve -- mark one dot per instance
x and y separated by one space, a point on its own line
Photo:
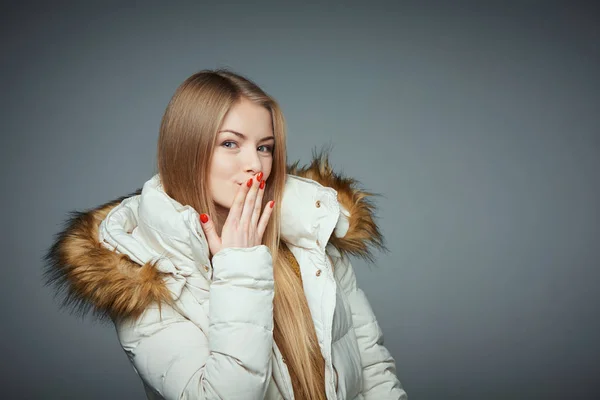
379 368
231 359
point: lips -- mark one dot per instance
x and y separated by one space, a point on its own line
240 183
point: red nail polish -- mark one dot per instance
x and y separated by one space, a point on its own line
249 183
262 184
204 218
272 204
259 177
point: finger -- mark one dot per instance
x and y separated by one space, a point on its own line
264 220
235 212
258 204
213 239
249 205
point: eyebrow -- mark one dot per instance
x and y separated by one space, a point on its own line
241 135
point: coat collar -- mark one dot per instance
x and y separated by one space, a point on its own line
310 212
317 202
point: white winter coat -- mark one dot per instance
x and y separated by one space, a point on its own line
215 339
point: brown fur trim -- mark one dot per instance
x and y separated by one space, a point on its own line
363 234
91 278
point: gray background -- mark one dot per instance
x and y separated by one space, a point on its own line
477 122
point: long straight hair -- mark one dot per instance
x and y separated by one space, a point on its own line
187 139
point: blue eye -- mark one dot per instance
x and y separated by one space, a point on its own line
231 145
228 142
269 149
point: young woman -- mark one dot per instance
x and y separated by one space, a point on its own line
227 275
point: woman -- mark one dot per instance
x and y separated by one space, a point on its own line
227 275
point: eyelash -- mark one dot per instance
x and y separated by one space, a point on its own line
268 147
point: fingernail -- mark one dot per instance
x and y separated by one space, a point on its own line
272 204
259 177
249 183
204 218
262 184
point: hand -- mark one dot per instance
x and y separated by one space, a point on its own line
244 226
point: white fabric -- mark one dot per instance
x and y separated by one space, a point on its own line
217 343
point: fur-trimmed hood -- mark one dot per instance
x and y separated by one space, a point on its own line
90 277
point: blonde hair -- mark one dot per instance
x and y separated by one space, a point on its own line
186 142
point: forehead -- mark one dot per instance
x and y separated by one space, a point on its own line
248 118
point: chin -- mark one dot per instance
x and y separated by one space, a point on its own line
224 202
223 194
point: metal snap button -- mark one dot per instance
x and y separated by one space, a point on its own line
318 272
318 204
206 268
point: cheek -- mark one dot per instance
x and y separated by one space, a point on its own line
267 166
220 180
221 168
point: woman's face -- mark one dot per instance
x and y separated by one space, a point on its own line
244 148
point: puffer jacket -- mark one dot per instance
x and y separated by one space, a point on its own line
195 328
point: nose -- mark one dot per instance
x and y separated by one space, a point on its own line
251 162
